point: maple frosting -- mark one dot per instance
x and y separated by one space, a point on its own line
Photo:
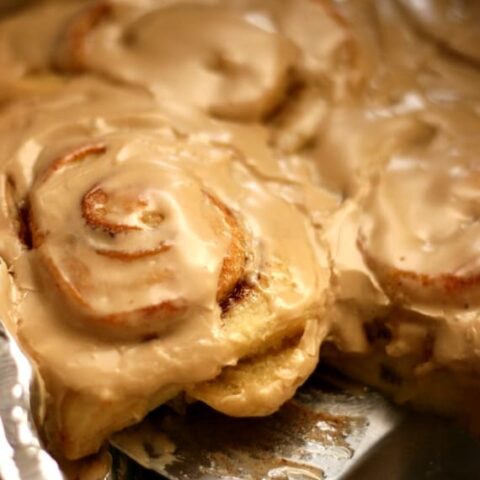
137 164
198 131
158 273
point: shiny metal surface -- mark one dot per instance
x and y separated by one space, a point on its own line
421 448
315 436
331 436
21 455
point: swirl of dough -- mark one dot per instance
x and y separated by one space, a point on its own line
131 239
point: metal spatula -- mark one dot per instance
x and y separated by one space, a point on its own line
324 433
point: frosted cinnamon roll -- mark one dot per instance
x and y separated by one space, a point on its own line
194 195
132 227
434 261
417 324
204 52
146 255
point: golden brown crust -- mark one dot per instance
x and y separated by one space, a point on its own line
74 155
235 260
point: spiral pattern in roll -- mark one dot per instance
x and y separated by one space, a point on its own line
131 239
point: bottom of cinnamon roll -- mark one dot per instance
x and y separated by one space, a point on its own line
259 384
274 357
441 392
410 378
270 360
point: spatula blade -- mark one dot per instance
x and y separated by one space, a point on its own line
317 435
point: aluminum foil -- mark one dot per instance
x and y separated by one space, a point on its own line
21 454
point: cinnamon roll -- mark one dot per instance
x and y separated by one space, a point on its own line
203 52
416 235
153 256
